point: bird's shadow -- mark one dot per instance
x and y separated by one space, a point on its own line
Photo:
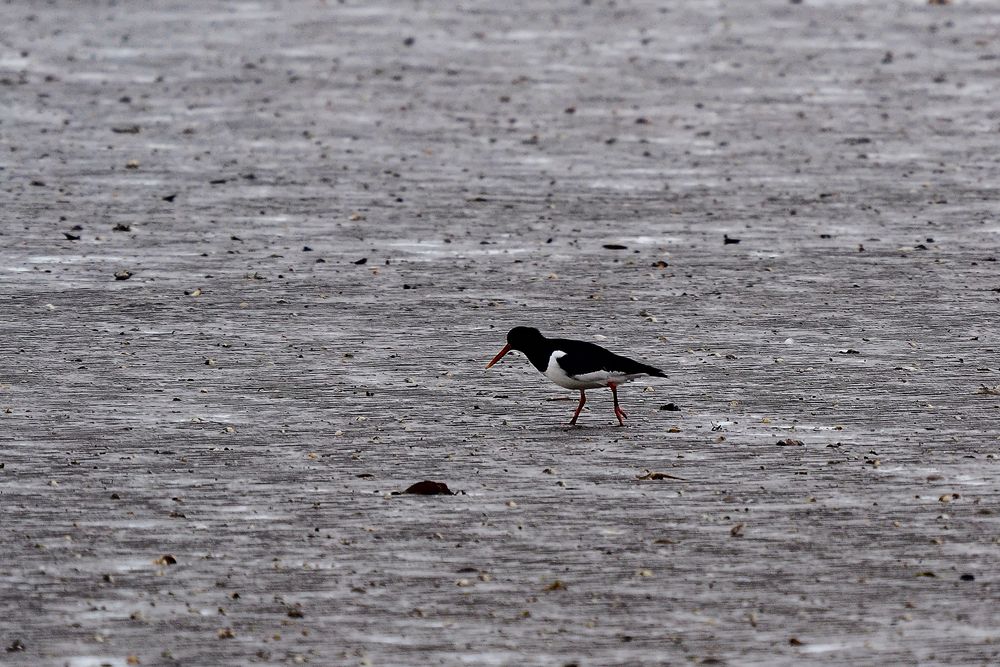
567 428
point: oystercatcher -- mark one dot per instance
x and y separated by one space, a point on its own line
575 364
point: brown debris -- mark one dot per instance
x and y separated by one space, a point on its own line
429 488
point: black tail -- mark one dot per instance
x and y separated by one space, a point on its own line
626 365
651 370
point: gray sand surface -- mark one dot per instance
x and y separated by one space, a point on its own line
198 461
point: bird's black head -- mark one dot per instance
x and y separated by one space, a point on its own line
523 338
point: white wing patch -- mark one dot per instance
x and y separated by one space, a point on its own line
593 380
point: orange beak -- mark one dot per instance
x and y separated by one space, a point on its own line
505 350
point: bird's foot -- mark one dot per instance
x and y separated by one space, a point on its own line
621 416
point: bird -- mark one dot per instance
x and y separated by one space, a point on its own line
576 364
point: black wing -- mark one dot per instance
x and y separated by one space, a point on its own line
582 357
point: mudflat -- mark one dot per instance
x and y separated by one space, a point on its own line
254 257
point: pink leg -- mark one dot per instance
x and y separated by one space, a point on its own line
618 411
583 400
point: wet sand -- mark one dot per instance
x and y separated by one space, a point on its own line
330 214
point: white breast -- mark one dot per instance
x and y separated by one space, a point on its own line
593 380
